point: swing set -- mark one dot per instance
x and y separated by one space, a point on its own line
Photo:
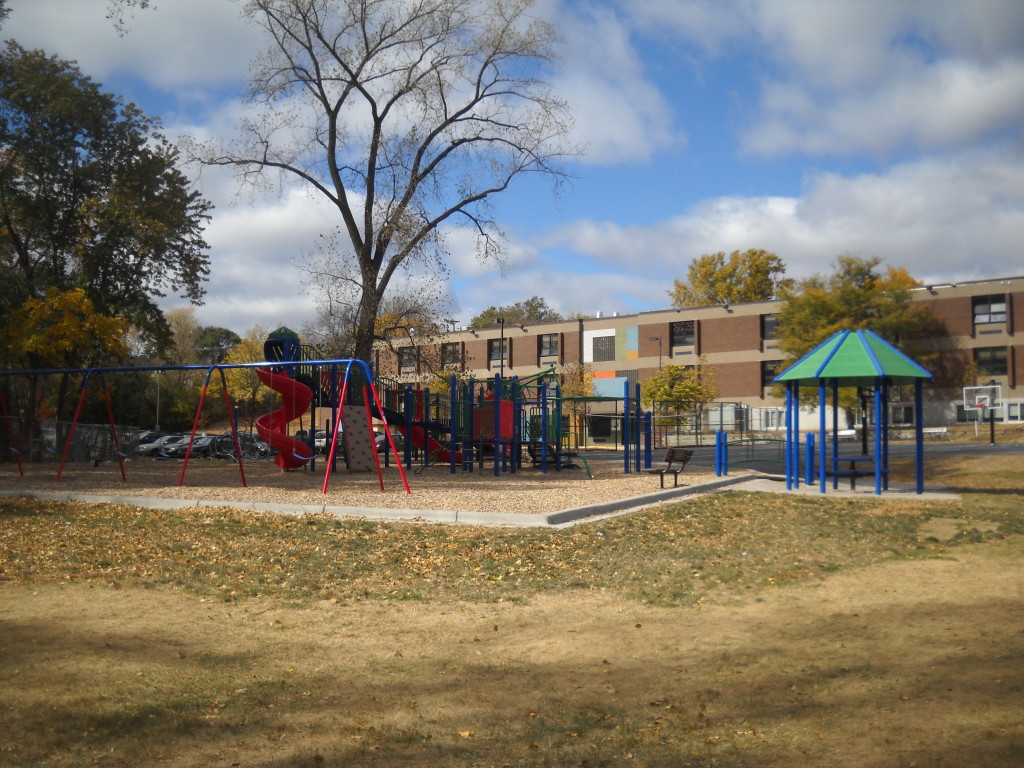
328 369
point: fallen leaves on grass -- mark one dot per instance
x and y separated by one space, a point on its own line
676 553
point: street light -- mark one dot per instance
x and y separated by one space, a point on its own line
501 349
658 339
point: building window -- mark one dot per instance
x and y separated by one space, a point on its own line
769 370
450 354
547 345
989 309
407 360
683 333
768 325
497 350
604 348
902 415
991 361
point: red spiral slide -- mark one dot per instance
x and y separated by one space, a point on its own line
273 427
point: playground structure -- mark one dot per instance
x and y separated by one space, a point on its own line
501 421
505 422
293 394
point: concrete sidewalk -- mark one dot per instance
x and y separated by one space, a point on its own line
560 519
866 490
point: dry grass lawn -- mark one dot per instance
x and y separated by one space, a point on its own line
733 630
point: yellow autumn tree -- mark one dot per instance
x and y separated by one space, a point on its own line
246 390
680 390
754 275
63 330
60 330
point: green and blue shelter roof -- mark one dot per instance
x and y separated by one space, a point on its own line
854 358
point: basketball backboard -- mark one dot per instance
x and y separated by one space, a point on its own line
979 398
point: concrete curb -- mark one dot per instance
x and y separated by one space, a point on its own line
561 518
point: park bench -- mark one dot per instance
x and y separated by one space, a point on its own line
675 462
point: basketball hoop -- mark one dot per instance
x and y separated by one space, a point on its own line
980 398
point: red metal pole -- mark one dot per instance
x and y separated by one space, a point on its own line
369 426
195 425
234 426
391 440
74 423
113 429
334 439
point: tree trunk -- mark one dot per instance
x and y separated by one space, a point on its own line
366 321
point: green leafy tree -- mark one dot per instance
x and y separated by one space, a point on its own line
91 197
754 275
858 295
680 390
414 117
215 343
577 383
533 310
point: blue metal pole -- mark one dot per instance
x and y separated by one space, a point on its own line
822 438
648 428
809 459
543 427
879 426
885 436
918 437
835 433
625 426
637 420
796 434
789 436
409 405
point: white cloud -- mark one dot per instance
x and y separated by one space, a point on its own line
956 218
185 44
936 84
848 77
620 115
950 104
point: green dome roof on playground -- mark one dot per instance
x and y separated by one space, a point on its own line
854 358
284 332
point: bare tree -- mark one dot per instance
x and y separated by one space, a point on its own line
407 116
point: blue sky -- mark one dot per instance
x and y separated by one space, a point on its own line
811 128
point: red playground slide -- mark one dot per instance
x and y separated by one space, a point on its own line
273 427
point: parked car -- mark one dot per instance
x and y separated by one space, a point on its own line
157 445
382 441
201 446
322 441
148 436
